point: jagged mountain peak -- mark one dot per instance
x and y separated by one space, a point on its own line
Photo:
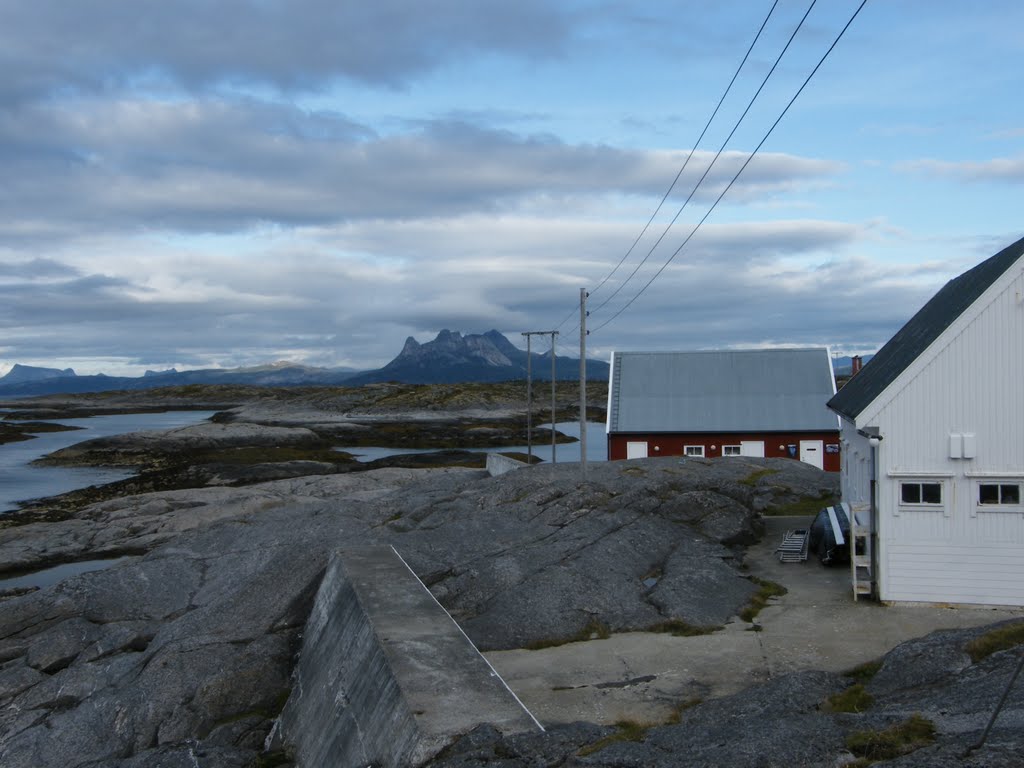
452 348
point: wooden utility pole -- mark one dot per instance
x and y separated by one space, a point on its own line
529 401
529 392
583 382
554 421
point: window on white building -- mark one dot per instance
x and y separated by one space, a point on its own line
693 450
921 494
730 450
999 494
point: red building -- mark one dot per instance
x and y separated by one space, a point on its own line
765 402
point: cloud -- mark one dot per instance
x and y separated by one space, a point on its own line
218 165
1008 170
311 294
50 45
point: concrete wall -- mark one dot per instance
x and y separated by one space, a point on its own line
499 465
343 678
385 676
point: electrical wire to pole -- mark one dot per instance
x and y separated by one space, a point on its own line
740 171
686 162
693 149
714 160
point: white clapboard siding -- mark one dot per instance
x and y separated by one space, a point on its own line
970 381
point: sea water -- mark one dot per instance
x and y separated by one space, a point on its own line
20 480
597 445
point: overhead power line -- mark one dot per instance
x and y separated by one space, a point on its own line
740 171
693 149
686 162
714 160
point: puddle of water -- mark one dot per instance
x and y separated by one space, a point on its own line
50 576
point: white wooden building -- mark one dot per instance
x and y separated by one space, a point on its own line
935 422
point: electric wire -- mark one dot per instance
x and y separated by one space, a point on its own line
740 171
693 149
714 160
686 162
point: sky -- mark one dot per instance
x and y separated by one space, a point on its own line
199 184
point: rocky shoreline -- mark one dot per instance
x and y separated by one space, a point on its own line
261 434
182 654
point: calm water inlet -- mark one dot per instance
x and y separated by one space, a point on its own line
20 480
597 445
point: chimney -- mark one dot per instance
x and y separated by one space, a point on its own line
855 365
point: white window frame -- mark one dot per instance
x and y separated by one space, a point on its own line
999 506
697 451
922 506
737 448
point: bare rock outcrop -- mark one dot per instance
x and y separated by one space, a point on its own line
182 654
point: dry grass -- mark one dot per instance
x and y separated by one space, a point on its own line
768 590
892 742
626 730
853 699
1000 639
679 628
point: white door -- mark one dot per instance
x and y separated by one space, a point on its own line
636 450
812 452
752 448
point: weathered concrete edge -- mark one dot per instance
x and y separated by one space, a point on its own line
494 672
499 465
341 670
348 705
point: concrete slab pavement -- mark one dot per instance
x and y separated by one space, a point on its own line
644 676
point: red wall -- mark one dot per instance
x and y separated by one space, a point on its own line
672 444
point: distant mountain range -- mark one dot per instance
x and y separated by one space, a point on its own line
452 357
449 358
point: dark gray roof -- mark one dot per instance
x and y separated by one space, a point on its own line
762 390
920 331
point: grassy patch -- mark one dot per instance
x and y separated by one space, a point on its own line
862 673
625 730
272 759
636 471
594 629
757 474
999 639
853 699
803 507
894 741
766 591
677 712
680 628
